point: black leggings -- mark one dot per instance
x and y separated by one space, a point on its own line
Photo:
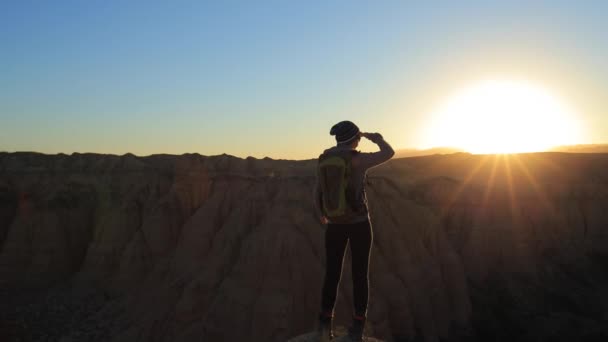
360 237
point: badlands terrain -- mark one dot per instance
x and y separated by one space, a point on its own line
196 248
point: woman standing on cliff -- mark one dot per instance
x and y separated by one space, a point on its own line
347 221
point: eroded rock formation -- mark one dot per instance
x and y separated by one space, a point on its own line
227 249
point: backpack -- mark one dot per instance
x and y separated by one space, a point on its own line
333 171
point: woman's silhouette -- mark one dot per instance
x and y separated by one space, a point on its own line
354 229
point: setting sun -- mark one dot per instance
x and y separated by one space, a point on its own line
503 117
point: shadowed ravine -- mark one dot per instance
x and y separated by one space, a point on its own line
192 248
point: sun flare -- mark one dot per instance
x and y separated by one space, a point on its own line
503 117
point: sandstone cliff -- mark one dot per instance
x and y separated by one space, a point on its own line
225 249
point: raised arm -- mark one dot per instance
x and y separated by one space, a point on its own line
369 160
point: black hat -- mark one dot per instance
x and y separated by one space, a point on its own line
344 131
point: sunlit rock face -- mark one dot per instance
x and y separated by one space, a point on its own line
225 249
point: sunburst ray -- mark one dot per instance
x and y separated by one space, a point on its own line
456 195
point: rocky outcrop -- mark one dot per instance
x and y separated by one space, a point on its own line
314 337
219 248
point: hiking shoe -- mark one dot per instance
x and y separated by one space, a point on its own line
355 332
324 329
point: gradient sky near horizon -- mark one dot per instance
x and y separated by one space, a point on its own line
258 78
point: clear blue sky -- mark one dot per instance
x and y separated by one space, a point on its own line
270 78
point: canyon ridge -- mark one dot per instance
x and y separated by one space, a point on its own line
218 248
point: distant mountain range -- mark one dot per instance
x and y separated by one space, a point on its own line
583 148
408 152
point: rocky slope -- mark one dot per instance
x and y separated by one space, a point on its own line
190 248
